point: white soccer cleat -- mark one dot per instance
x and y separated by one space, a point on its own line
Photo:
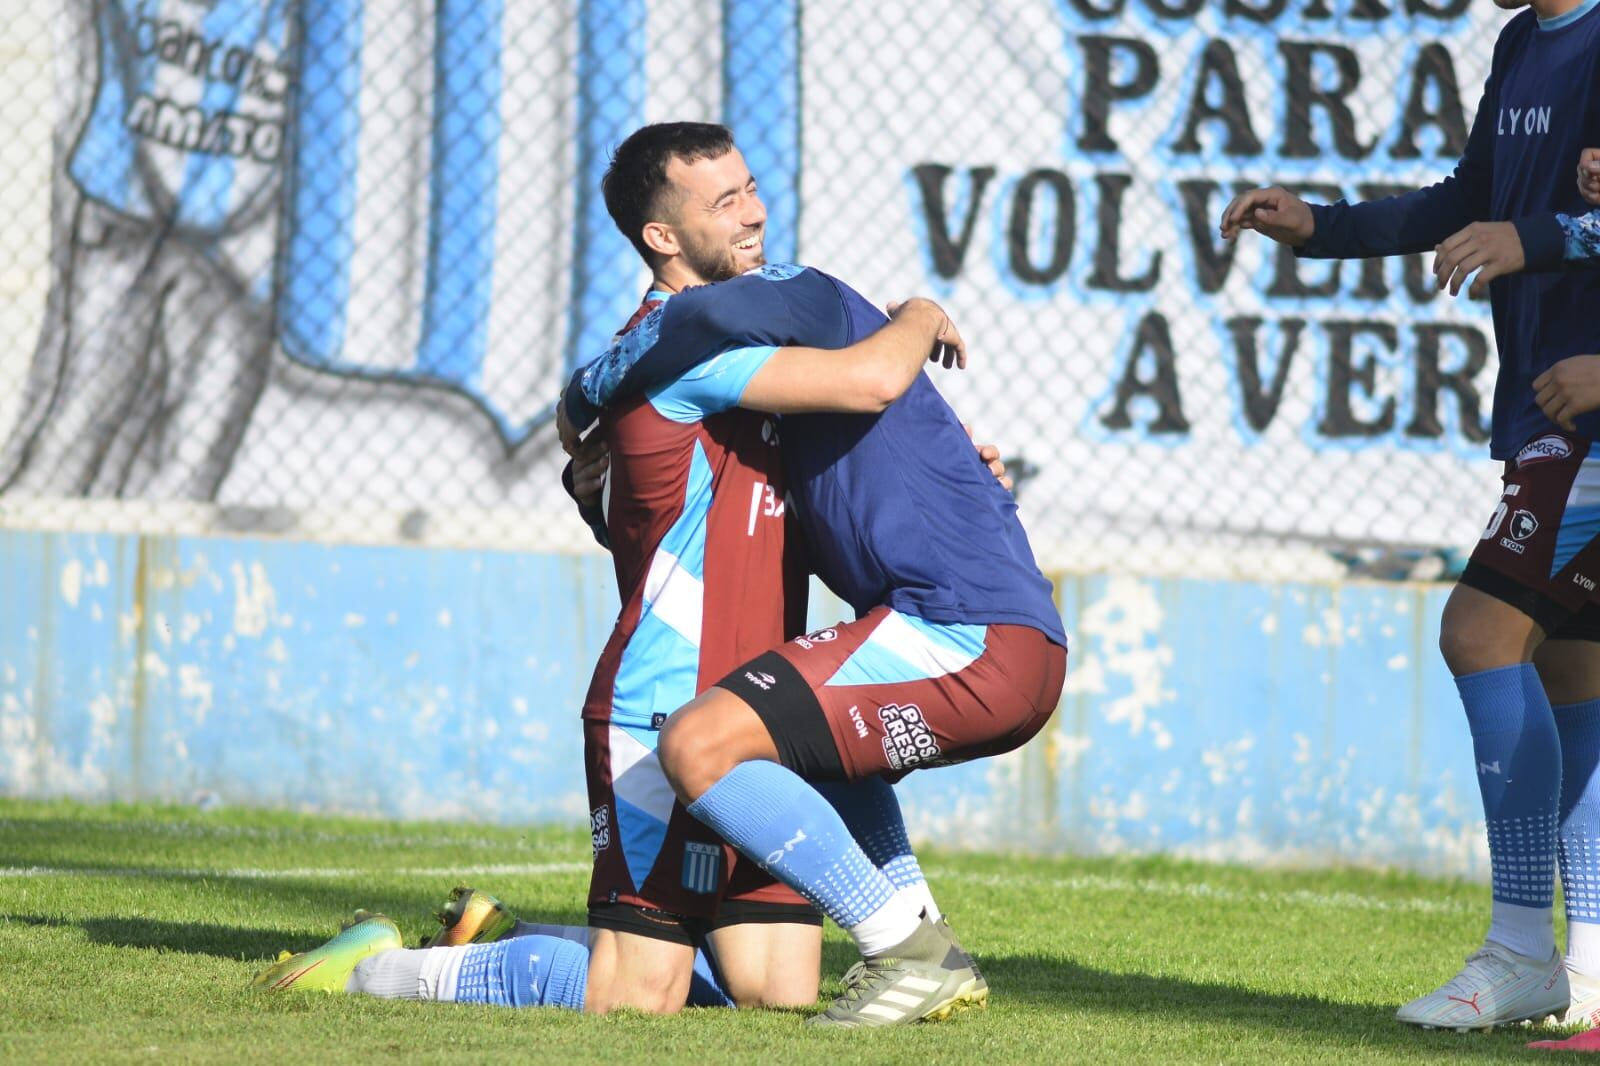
1496 987
1584 1007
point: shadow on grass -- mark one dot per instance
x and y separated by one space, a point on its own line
412 911
1060 983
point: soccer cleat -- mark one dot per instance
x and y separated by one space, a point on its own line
1583 1007
978 994
326 969
470 917
1496 987
893 989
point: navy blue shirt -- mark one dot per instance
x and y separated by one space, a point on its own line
897 507
1540 109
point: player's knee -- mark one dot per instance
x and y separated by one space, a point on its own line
651 989
779 991
689 752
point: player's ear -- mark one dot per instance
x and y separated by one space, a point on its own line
659 238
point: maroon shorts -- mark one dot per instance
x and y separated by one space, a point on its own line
651 856
1540 552
889 694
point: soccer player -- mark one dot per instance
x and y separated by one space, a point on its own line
696 523
1520 627
957 651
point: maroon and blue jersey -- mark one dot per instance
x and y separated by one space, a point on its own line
897 508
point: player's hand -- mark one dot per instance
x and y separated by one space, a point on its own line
990 454
1275 213
1569 389
1589 175
947 346
1493 249
590 461
565 430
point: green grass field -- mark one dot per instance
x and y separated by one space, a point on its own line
130 933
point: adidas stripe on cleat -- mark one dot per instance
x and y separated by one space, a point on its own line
328 968
896 990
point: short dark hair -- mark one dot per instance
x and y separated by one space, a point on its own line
635 181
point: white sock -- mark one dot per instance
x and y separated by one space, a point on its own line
426 973
920 898
578 934
887 926
1583 948
1525 930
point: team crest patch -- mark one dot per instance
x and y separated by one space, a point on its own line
1523 525
1544 449
907 741
702 867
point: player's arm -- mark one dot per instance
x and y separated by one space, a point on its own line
1569 389
584 478
865 377
1395 225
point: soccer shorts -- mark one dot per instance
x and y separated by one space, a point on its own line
891 693
1540 552
658 871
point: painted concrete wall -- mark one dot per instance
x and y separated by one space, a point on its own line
1260 722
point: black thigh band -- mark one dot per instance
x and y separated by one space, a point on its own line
759 912
782 697
642 921
1550 614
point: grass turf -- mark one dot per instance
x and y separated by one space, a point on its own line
130 933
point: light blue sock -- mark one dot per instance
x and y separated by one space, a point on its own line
1579 726
871 812
1518 756
525 971
775 818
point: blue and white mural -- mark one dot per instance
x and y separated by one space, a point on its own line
342 252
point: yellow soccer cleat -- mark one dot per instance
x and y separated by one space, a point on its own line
470 917
326 969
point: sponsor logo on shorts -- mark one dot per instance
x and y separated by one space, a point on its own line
822 636
1586 583
600 828
1523 525
1511 545
855 718
702 867
1544 449
907 741
760 679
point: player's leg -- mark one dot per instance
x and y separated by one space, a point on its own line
769 965
638 971
872 813
1519 585
366 958
743 750
1569 665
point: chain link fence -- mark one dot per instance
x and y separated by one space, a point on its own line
319 267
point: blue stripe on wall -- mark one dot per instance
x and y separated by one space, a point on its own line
103 163
611 94
327 122
761 104
463 205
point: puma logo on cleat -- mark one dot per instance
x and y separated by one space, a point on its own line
1473 1002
